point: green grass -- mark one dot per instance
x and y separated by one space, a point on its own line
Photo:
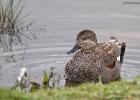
124 90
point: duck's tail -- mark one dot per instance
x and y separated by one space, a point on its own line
123 47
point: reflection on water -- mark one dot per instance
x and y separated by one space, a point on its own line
64 19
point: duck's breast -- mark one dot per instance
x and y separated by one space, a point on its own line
84 66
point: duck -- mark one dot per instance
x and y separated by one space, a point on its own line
93 60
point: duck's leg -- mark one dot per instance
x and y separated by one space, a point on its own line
123 47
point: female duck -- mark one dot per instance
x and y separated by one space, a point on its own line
94 59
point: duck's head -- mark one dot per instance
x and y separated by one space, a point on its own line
83 36
87 46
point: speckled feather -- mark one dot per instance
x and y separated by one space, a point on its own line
92 59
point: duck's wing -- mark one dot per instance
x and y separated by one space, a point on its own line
112 69
117 49
121 48
108 53
110 75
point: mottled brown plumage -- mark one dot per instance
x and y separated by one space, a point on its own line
93 60
111 67
84 65
82 36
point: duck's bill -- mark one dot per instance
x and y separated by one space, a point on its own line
75 48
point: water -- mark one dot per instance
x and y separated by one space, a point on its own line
63 20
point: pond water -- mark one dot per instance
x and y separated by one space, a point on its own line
63 19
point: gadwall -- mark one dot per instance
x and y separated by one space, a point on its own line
94 59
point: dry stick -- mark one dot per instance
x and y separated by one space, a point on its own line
23 57
16 85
